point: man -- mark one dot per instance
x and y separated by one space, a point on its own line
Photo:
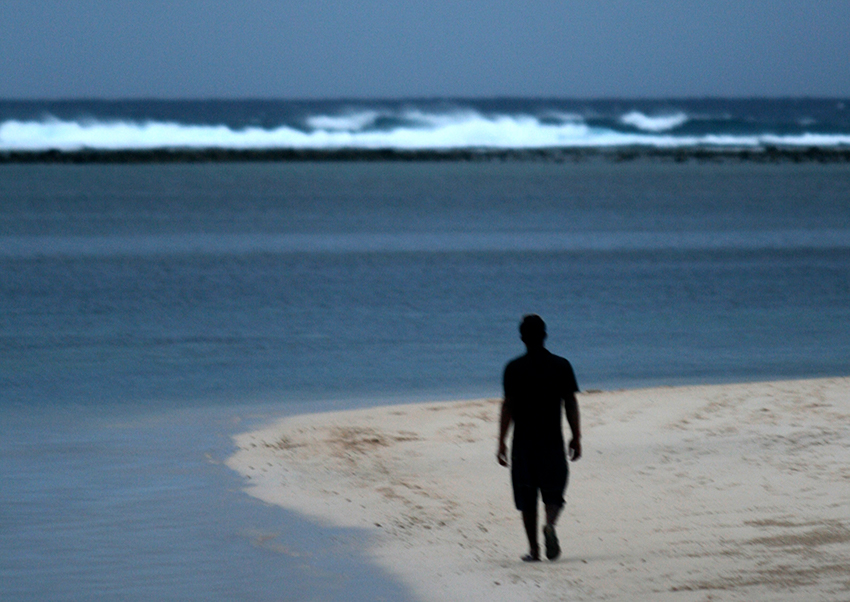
536 385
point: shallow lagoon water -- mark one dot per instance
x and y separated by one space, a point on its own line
138 506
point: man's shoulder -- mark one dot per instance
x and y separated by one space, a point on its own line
564 369
562 361
517 360
545 356
515 364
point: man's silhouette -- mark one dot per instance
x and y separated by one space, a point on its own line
537 385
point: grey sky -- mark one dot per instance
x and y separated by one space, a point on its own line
399 48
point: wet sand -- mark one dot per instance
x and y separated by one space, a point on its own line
720 492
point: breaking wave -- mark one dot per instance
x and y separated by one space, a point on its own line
406 129
660 123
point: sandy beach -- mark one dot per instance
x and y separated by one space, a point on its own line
719 492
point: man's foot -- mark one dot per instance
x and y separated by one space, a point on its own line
553 548
533 555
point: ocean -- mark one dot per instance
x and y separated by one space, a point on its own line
149 311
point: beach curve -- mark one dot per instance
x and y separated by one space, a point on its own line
721 492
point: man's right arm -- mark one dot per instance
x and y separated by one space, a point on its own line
505 419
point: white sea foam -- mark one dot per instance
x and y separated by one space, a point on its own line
351 122
566 117
416 130
657 123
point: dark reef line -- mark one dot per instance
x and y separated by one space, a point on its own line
767 154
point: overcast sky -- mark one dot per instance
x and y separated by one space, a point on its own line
411 48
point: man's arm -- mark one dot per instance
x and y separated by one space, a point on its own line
505 419
571 408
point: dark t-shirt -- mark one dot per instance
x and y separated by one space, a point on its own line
536 385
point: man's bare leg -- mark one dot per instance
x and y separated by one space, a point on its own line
552 513
529 519
553 548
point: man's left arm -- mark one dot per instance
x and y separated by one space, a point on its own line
571 409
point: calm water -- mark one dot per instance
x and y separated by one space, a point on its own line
147 313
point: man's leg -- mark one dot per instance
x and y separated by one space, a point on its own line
529 519
526 498
553 547
553 511
553 501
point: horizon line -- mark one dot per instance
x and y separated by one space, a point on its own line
434 98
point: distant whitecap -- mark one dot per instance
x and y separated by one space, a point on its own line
657 123
351 122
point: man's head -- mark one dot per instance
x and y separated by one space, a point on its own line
532 331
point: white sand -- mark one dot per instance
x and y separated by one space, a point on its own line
729 492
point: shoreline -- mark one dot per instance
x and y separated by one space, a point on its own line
731 491
699 154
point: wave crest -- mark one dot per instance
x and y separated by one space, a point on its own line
350 122
411 129
658 123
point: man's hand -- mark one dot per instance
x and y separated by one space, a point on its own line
502 454
575 449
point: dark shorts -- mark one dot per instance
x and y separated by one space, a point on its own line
544 472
